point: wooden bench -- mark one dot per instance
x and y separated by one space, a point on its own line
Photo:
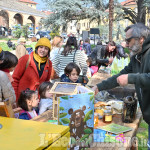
44 117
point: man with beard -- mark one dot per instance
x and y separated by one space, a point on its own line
138 70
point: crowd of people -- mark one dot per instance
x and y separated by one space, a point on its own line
47 63
34 73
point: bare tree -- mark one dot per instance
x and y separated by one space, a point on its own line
139 15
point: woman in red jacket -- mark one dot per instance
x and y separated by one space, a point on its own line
33 69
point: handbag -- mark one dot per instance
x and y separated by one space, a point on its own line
53 73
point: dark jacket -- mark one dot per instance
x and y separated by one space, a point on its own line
82 79
87 48
98 56
120 52
65 78
138 72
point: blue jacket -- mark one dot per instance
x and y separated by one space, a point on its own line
82 79
24 115
87 48
65 78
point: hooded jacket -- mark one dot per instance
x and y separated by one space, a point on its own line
98 56
120 52
29 77
87 48
138 72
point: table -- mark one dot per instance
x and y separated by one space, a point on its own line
131 141
97 78
130 136
18 134
119 92
44 117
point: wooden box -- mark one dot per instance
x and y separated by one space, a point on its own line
61 89
18 134
6 109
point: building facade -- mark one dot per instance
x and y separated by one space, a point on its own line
13 12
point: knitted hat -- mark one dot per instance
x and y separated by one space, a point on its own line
43 42
1 54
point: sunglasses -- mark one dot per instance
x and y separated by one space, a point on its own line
130 38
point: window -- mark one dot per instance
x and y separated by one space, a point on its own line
87 25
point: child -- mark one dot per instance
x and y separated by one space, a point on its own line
9 64
81 45
72 72
45 97
93 69
27 101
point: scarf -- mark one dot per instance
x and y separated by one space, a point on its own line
39 59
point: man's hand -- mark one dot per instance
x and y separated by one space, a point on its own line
95 89
122 80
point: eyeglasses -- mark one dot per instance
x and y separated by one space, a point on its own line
129 39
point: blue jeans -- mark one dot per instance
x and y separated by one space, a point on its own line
148 143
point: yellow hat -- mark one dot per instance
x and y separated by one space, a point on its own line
1 54
43 42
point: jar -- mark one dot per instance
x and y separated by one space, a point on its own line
100 112
107 118
95 119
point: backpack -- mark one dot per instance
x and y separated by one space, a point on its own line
93 57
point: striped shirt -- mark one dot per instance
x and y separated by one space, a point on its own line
61 62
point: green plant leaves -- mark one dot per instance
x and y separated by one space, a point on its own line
62 115
87 131
65 120
65 97
87 116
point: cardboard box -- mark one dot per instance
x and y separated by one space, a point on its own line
77 112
